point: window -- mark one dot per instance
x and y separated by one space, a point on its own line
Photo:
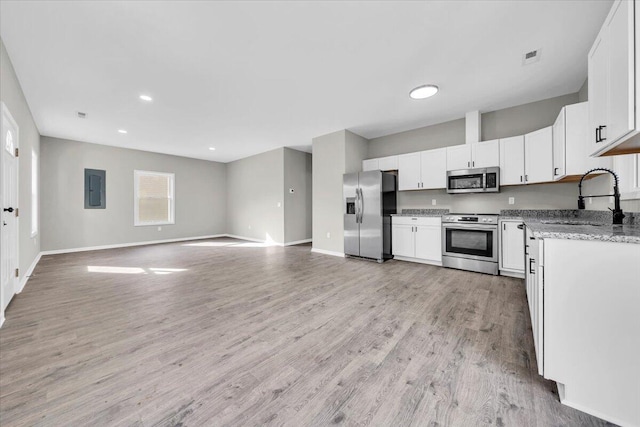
34 193
154 198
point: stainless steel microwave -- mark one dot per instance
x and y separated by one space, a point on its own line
485 180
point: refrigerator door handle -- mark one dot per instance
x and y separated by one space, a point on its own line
361 205
358 208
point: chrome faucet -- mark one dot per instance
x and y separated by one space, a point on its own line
618 215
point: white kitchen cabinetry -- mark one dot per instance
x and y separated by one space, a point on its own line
388 163
423 170
512 248
483 154
571 150
591 318
538 156
627 167
612 76
417 239
370 165
459 157
409 176
512 160
535 293
433 169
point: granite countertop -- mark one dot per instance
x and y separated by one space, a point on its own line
579 225
422 212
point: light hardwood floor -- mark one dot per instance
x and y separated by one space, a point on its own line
222 332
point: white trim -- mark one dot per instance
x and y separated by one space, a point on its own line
250 239
1 318
509 273
126 245
325 252
29 272
298 242
172 210
417 260
590 411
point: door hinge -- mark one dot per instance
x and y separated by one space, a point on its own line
17 272
17 152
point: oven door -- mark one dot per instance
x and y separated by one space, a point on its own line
472 241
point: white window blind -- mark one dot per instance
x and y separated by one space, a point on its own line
154 198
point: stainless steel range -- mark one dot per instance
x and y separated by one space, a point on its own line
470 242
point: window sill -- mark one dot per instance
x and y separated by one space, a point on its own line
152 224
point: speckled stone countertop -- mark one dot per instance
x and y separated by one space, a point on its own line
422 212
578 225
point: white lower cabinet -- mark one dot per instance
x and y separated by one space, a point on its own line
512 248
417 239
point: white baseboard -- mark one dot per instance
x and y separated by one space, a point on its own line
325 252
1 319
250 239
418 260
28 273
126 245
298 242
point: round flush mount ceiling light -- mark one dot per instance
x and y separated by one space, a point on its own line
212 148
122 131
424 91
146 98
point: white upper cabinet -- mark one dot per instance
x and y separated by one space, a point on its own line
433 168
627 168
512 160
571 150
538 156
612 73
485 154
389 163
409 174
370 165
459 157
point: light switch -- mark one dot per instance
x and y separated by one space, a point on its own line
328 235
512 200
433 202
279 204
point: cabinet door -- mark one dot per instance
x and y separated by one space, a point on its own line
559 146
597 65
459 157
621 69
388 163
434 168
512 240
485 154
370 165
512 160
428 243
402 240
538 156
409 171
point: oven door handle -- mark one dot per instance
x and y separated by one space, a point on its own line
471 226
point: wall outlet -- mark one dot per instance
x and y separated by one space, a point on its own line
433 202
512 200
249 227
279 204
328 235
590 200
159 228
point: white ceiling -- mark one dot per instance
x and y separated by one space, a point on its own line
247 77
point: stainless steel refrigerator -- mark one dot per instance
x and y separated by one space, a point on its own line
369 201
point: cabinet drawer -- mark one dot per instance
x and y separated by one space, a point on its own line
417 220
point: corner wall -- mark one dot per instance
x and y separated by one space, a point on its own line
297 205
200 195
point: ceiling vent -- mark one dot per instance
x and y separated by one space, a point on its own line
531 57
82 115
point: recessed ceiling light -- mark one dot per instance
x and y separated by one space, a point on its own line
422 92
146 98
122 131
212 148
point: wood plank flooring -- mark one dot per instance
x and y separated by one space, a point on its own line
225 332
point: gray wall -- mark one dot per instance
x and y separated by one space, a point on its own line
29 139
328 168
297 205
356 148
254 190
200 193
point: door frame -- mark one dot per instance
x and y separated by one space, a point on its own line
5 111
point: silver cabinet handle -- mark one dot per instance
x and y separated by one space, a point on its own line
468 164
473 163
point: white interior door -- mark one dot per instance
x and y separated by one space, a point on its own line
9 197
